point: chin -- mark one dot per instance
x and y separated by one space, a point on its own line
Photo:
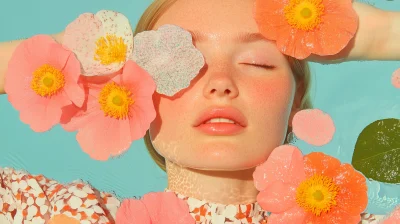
221 156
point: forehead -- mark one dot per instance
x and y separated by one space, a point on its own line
213 17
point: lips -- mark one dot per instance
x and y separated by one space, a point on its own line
230 113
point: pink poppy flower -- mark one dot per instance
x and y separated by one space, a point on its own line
117 112
160 208
315 188
41 79
103 42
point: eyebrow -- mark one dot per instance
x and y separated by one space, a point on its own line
239 37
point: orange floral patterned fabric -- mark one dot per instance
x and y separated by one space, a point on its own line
35 199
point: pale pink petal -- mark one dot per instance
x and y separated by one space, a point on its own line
74 118
58 57
101 138
35 115
296 215
278 197
167 208
80 37
140 118
169 56
137 79
82 34
284 164
132 211
313 126
396 78
394 218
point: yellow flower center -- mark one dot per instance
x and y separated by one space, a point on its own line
304 14
110 49
317 194
47 80
115 100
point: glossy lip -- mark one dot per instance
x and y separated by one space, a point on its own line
230 113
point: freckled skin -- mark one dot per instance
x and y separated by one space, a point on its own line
219 168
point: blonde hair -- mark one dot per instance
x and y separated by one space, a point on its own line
300 69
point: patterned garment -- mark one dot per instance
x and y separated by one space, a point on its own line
211 213
34 199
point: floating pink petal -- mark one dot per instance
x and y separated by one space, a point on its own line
313 126
396 78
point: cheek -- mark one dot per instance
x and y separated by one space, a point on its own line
274 95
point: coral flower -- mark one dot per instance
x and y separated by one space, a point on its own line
160 208
102 42
63 219
315 188
117 112
41 79
304 27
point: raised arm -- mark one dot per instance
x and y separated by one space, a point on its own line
6 51
377 37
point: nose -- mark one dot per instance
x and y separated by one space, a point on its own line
220 83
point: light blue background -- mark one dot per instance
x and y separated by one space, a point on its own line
355 94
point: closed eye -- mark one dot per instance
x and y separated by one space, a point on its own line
265 66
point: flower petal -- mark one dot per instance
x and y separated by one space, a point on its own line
296 215
313 126
319 163
74 118
137 79
132 211
278 197
352 197
394 217
63 219
80 37
270 17
101 138
166 208
284 164
169 56
116 23
334 216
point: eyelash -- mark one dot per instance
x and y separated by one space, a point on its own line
265 66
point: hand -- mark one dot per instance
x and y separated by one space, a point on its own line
375 38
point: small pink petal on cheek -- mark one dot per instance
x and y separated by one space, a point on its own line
396 78
278 197
313 126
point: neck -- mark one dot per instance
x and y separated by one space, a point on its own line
222 187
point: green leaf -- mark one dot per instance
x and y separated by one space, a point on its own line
377 151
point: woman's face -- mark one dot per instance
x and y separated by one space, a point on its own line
245 79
